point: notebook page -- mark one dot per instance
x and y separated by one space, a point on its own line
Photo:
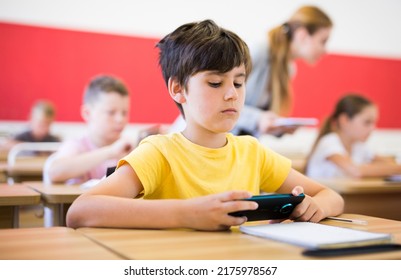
295 121
314 236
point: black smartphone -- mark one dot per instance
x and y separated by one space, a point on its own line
271 207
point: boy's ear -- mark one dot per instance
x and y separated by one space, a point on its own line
176 90
85 112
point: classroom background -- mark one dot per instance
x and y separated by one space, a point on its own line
50 49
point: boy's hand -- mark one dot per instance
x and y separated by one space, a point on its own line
308 210
211 212
121 148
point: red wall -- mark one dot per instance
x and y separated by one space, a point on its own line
318 88
56 64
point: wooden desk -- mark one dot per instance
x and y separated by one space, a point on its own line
56 243
28 168
373 197
299 164
11 197
56 198
196 245
3 155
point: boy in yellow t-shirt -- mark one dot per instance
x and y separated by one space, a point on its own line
193 179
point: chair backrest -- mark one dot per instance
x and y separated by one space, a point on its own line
32 147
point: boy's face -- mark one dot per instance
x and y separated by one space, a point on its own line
213 100
40 125
107 116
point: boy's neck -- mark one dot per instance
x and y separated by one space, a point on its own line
208 140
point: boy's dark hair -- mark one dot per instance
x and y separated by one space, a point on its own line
201 46
103 84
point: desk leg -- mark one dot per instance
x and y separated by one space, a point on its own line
51 216
8 216
16 217
54 214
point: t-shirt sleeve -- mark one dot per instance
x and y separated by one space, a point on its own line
24 137
149 165
275 170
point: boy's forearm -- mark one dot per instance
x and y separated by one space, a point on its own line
66 168
108 211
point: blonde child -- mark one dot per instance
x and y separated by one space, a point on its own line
193 179
340 149
40 121
105 110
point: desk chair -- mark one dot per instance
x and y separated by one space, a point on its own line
26 160
30 149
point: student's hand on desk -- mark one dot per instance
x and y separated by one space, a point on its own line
121 148
211 212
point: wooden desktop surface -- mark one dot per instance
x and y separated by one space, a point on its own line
17 194
373 197
298 164
25 168
56 243
56 193
56 198
350 186
11 197
195 245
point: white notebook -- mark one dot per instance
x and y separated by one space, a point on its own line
316 236
393 178
296 122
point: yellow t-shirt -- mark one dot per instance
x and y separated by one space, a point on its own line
170 166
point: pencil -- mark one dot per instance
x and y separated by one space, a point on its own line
354 221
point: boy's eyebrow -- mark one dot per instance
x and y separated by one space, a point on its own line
215 72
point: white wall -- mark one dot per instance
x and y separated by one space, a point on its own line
362 27
297 145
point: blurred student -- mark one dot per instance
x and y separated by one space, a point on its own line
105 110
340 149
194 179
40 121
269 94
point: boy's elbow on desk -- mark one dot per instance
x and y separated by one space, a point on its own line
76 215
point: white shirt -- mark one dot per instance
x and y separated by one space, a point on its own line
320 167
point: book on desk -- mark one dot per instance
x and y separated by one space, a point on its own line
296 122
316 236
393 178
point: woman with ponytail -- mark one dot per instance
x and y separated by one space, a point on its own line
340 149
268 88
